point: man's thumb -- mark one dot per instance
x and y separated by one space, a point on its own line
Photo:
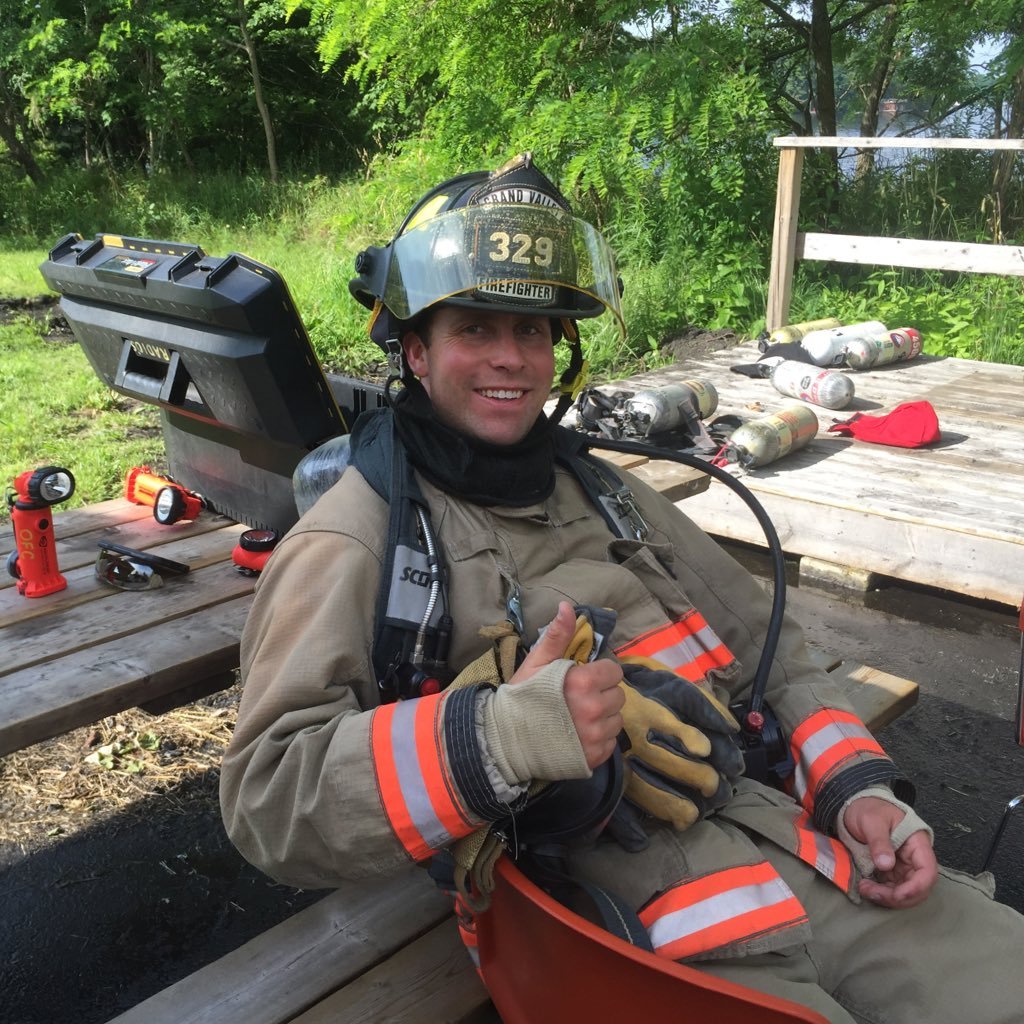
552 642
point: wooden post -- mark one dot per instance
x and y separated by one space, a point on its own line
787 209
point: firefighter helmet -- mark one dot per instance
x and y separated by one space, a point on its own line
505 239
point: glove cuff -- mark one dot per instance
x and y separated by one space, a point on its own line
528 731
910 824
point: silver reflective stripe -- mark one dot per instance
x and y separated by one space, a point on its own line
410 778
716 910
819 743
825 856
688 649
410 587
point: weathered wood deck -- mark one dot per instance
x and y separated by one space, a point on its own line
949 516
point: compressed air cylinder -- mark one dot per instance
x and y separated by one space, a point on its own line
827 388
760 441
794 332
826 348
319 470
671 407
900 345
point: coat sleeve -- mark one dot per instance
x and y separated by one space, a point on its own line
834 754
320 782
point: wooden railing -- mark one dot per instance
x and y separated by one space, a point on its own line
789 245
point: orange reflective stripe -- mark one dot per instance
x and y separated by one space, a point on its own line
412 777
822 742
721 909
826 855
689 647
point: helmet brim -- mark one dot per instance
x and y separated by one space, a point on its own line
512 258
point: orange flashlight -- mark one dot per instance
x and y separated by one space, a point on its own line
169 500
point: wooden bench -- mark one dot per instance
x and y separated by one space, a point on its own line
388 949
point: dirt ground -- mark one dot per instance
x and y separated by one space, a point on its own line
116 877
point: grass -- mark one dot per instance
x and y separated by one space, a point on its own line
55 411
19 274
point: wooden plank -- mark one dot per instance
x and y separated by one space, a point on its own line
288 968
143 533
624 460
431 981
949 516
674 481
121 613
54 697
787 211
978 566
195 550
888 142
967 257
878 697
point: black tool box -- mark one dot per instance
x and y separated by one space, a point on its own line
218 345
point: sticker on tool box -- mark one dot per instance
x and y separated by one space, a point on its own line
132 266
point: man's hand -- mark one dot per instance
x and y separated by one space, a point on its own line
903 877
592 692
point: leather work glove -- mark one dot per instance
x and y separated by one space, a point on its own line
681 752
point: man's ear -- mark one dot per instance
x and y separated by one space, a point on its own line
415 353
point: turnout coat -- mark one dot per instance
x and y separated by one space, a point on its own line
322 783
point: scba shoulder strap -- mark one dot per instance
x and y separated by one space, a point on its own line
412 625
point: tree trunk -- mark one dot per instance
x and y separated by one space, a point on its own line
825 94
874 90
824 73
1003 160
268 126
13 132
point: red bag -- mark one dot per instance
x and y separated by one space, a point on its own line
909 425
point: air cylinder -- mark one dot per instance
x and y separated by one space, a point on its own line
827 388
827 348
671 407
761 441
794 332
898 346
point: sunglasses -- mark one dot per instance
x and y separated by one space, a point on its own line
128 569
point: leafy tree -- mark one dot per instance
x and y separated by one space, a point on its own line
129 83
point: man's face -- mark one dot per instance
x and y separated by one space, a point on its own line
488 374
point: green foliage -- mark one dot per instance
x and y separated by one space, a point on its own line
56 411
968 316
116 84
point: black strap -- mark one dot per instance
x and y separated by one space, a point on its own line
543 864
379 455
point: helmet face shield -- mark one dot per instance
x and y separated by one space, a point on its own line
515 257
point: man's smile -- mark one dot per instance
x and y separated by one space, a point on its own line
503 394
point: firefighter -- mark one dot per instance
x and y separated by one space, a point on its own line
476 613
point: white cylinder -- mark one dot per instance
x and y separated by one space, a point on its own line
827 388
319 470
656 410
826 348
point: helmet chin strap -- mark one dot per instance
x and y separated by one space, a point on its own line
386 331
574 377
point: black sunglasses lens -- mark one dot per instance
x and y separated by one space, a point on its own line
123 573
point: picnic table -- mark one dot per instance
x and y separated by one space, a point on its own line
90 650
